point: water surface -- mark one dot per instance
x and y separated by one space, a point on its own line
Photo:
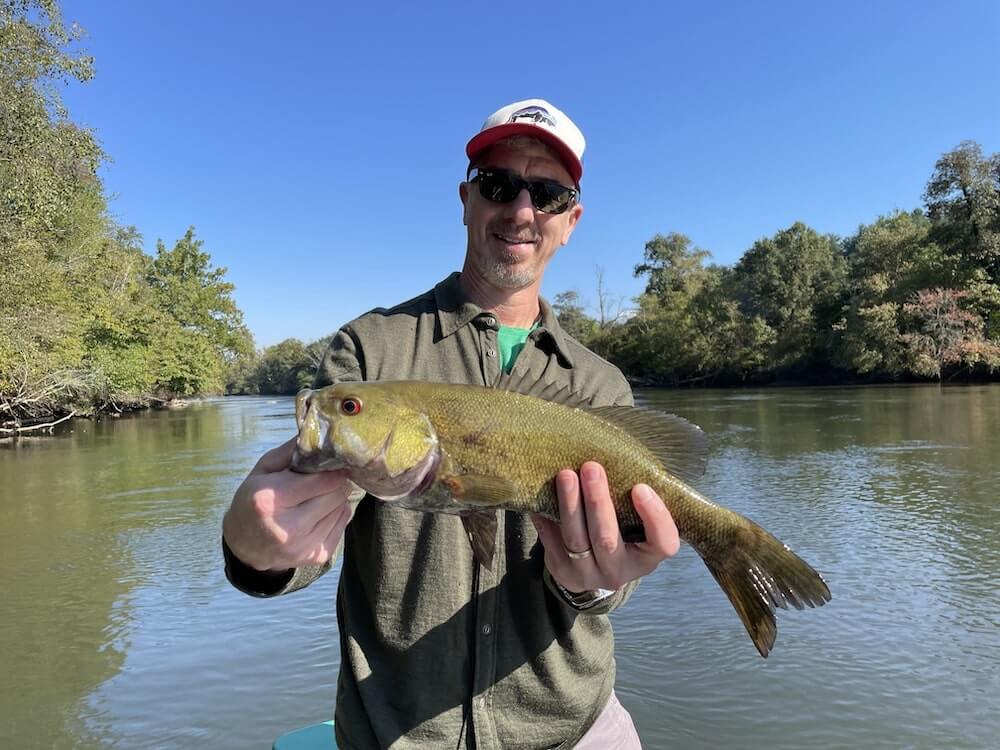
119 629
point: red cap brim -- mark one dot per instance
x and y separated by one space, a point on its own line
487 138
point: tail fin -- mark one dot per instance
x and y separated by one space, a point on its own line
758 574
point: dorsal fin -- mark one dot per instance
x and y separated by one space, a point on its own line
679 444
529 385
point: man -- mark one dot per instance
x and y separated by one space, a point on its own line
438 651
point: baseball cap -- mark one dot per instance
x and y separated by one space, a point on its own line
538 119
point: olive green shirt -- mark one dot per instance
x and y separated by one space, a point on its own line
437 651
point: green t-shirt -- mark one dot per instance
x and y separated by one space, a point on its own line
511 342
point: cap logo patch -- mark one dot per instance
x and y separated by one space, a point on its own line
535 115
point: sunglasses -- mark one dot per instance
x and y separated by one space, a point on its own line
547 196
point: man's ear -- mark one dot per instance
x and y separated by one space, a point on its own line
574 216
463 193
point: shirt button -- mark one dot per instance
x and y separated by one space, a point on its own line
487 629
491 352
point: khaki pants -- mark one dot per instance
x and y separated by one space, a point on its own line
613 730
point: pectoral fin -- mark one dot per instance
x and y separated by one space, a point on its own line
484 492
480 490
482 530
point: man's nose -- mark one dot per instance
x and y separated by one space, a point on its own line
520 209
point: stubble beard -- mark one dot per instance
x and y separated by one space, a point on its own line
504 271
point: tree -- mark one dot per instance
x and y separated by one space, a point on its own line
284 368
204 327
316 350
572 317
46 162
672 266
610 307
657 343
963 203
888 262
726 344
687 327
50 202
87 319
945 334
794 282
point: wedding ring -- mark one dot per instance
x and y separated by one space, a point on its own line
578 555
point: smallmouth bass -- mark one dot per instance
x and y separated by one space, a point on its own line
469 451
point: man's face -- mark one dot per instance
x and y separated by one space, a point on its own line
511 243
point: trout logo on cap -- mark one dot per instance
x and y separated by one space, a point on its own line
538 119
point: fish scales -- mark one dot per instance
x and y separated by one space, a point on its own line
469 451
533 440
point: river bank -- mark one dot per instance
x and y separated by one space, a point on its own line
47 422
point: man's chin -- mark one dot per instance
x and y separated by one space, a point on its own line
506 276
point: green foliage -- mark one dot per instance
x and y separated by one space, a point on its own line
888 261
794 282
204 328
914 294
196 295
688 327
673 267
46 162
570 312
87 320
285 368
963 202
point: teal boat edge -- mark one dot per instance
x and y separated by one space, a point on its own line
316 737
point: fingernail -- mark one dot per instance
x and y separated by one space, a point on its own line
590 472
643 493
566 481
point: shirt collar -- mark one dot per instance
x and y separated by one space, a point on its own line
549 327
455 310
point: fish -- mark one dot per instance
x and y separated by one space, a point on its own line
471 450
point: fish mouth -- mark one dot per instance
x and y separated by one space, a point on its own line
311 453
310 463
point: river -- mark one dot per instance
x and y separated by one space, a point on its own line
119 630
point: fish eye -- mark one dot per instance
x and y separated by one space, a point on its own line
350 406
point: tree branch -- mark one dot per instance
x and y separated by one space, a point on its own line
47 425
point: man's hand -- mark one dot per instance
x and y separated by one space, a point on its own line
280 520
588 522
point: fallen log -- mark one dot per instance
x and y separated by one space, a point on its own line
30 428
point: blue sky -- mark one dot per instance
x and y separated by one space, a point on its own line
317 147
